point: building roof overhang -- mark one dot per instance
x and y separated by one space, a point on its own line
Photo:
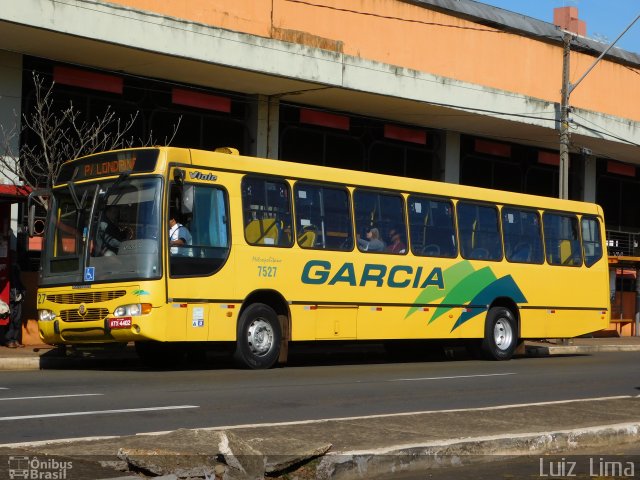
211 57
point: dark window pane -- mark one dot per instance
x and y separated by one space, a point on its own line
323 217
591 240
378 218
302 145
432 227
561 239
420 164
522 236
479 232
207 225
476 171
387 159
267 212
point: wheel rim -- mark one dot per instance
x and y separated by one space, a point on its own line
260 337
503 334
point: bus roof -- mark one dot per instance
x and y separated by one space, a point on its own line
232 162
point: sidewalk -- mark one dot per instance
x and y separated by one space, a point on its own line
35 357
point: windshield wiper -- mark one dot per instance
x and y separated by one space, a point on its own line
118 181
78 203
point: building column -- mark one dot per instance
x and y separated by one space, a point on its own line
10 120
451 173
264 126
589 185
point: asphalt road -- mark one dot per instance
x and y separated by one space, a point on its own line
53 404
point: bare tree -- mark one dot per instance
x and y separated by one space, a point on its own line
60 135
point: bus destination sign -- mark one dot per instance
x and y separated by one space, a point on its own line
112 167
108 164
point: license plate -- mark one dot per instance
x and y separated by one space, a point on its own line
120 322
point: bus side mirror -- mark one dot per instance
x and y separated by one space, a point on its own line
31 219
36 196
186 202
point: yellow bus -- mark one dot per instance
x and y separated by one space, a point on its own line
261 253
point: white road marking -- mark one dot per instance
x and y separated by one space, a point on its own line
97 412
449 378
52 396
4 388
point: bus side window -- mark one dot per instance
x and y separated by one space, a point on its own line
323 217
479 231
378 216
591 241
266 204
522 236
431 227
562 241
209 229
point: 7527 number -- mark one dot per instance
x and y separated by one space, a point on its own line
267 271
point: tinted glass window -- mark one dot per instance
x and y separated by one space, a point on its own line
591 241
561 239
479 232
266 207
522 235
205 230
380 222
323 217
432 227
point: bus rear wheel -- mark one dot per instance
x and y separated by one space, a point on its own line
500 334
259 337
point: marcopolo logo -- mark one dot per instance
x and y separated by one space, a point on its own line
38 468
208 177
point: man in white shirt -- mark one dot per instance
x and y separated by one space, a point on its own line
179 235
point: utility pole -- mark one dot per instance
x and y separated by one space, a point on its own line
563 176
567 88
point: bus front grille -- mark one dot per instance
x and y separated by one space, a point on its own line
92 314
86 297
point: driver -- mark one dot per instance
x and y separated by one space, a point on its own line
109 233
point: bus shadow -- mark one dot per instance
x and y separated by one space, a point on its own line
302 354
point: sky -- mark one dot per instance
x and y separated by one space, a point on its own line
605 19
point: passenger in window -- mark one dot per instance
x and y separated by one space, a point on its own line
179 235
372 243
396 245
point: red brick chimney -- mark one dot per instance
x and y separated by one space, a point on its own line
567 19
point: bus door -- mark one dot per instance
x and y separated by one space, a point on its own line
198 246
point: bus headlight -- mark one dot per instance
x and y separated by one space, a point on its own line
46 315
132 310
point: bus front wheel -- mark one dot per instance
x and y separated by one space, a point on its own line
500 334
259 337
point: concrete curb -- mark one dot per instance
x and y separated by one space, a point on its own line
458 452
20 363
540 351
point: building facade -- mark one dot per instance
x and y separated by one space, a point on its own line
450 90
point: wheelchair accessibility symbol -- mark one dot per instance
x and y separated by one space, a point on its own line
89 274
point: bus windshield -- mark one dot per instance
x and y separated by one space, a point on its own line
105 231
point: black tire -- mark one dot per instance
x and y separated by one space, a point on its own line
259 337
500 334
